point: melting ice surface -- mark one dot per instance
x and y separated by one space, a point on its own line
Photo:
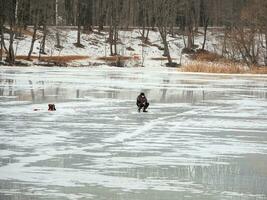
204 137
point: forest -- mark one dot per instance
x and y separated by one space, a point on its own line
243 23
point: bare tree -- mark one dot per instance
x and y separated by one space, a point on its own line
2 20
45 18
143 18
164 19
36 10
245 22
205 7
189 16
10 7
114 12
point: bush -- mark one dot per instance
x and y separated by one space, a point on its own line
203 55
54 59
213 68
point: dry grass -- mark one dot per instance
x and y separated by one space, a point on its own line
259 70
161 58
27 32
227 68
116 58
208 62
26 57
212 68
207 56
55 59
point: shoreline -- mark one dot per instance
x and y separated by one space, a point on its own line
105 66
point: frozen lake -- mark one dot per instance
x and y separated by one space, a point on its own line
204 137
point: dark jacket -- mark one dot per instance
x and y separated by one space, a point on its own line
141 100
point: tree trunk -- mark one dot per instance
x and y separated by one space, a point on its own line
58 45
143 32
189 39
111 40
166 46
1 42
16 19
3 39
206 24
33 41
1 51
115 40
11 57
102 16
79 34
147 33
224 47
42 50
56 13
163 34
88 26
101 24
79 15
265 59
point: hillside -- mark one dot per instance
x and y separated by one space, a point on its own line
96 49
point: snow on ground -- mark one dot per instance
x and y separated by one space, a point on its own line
96 45
204 136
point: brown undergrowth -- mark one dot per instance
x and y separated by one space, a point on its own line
202 55
28 32
161 58
208 62
259 70
55 59
213 68
228 68
116 58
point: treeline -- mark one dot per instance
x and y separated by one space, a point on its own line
244 22
127 12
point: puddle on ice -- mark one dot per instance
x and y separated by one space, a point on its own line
203 138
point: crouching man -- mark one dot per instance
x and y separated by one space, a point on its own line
142 102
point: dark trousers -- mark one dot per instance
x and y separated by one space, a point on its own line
144 106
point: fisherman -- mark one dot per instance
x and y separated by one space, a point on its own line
51 107
141 102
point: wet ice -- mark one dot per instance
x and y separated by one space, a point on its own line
203 138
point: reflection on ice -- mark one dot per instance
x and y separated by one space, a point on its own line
203 138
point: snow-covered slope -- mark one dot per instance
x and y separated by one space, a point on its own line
96 45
